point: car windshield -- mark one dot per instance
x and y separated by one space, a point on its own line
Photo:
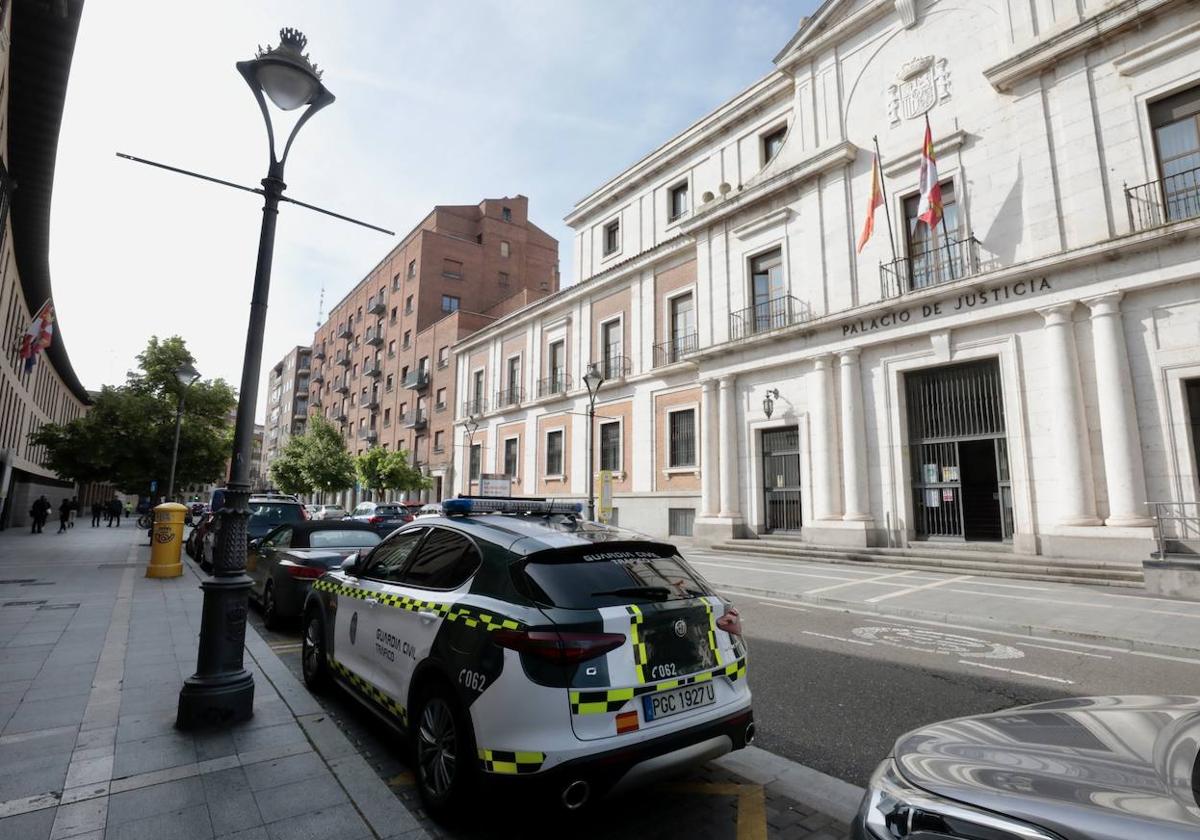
275 513
389 510
605 577
342 538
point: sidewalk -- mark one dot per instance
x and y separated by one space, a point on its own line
92 655
1126 618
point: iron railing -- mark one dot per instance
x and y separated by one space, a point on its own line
316 377
372 369
342 386
345 331
615 366
953 259
343 359
374 337
417 420
1176 524
475 405
1170 199
318 354
674 350
507 397
376 306
340 416
417 380
767 315
554 385
371 403
368 434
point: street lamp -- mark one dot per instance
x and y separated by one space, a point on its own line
769 402
472 428
222 690
593 379
187 375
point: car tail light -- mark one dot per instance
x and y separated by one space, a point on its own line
374 520
306 572
304 514
559 648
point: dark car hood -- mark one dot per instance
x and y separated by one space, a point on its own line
1090 768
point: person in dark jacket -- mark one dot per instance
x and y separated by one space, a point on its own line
64 515
74 511
115 509
40 511
97 512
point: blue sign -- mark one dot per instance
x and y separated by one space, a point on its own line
153 486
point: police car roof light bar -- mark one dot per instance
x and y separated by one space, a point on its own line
466 506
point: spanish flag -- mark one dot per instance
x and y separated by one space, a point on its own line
873 203
929 209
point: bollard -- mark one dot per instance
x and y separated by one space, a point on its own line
166 541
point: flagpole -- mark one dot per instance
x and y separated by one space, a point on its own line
886 207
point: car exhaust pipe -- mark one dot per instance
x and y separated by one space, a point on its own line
575 795
749 733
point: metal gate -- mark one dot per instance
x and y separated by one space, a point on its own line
781 479
959 453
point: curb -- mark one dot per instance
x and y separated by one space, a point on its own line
824 793
979 622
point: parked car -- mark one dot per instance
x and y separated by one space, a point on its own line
311 510
517 643
1083 768
329 512
266 512
284 563
385 517
432 509
192 545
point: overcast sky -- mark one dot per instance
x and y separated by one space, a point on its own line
437 103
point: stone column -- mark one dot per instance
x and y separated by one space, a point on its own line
854 439
727 434
826 496
709 458
1122 444
1068 424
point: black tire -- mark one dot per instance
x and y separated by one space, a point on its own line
445 759
313 665
270 609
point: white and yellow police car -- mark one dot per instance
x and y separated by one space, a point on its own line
515 641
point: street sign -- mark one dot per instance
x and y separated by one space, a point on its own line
491 484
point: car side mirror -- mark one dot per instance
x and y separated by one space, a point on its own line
351 564
255 544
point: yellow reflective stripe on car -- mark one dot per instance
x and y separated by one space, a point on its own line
370 690
639 647
506 762
451 612
611 700
712 632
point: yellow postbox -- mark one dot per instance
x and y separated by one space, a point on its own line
166 541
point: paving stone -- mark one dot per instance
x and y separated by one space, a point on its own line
47 714
186 824
252 739
259 833
338 823
79 818
300 797
282 771
32 826
145 756
156 799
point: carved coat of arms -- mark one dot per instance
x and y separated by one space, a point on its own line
920 84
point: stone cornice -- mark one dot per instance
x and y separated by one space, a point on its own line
1049 51
1182 40
910 160
808 42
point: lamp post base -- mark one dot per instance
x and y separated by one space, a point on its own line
221 692
215 701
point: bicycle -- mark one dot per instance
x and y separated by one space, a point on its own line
146 520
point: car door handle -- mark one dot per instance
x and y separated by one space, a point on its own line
372 602
428 616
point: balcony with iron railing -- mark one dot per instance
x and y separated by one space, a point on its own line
318 354
510 397
952 259
368 434
1175 198
474 406
316 377
371 403
343 359
554 385
374 336
346 331
614 366
342 386
765 316
670 352
372 369
376 305
417 380
417 420
340 416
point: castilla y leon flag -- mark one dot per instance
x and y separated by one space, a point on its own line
37 338
929 209
875 201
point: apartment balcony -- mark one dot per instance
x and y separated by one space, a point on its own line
340 416
417 380
773 314
342 386
374 337
1175 198
670 352
372 369
951 260
317 377
558 383
510 397
376 306
346 331
475 406
368 434
343 359
318 354
614 367
417 420
371 403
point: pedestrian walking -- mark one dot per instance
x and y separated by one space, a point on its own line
64 515
40 512
97 512
115 509
74 511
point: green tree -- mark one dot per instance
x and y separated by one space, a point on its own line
127 435
380 470
323 458
287 471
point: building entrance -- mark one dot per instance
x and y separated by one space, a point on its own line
962 490
781 479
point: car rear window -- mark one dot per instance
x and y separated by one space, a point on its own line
276 513
342 539
389 510
606 576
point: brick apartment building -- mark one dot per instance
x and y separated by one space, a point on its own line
287 404
382 363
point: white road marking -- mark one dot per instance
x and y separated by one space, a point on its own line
783 607
923 586
933 641
773 571
1015 671
1066 603
875 615
875 579
838 638
1065 650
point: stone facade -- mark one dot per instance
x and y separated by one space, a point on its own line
1020 375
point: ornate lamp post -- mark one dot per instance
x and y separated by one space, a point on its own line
769 402
472 427
593 379
187 376
222 690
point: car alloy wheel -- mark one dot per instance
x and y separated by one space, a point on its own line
312 653
437 748
270 616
